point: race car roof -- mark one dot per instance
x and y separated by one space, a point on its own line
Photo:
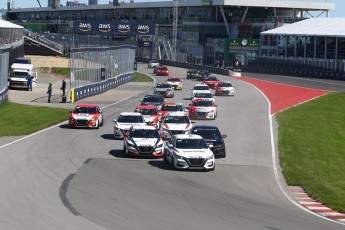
188 136
130 114
86 105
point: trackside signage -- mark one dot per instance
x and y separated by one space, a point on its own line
84 27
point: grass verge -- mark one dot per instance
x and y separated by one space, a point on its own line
139 77
61 70
17 119
312 148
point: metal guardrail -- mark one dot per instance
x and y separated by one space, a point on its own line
4 63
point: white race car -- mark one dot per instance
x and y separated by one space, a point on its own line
225 88
125 121
206 94
152 64
175 123
197 88
143 141
186 151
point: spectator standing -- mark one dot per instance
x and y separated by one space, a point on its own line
49 92
29 78
63 87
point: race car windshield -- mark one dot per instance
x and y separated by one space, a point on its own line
151 99
203 103
163 68
207 133
163 86
144 134
130 119
191 144
173 80
89 110
176 119
211 79
172 108
225 85
146 111
192 70
204 87
203 95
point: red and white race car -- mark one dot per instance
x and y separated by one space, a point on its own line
150 114
170 106
225 88
175 82
162 71
202 109
211 81
85 115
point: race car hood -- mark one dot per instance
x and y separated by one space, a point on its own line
162 89
202 109
194 153
126 126
83 116
149 118
226 88
145 141
183 126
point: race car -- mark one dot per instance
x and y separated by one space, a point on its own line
202 75
213 138
206 94
162 71
164 89
175 82
192 73
152 63
150 114
202 109
199 87
86 115
189 151
170 106
153 99
143 141
124 122
175 123
225 88
211 81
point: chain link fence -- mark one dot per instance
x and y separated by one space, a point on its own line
94 70
4 63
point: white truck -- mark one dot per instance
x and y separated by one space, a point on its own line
19 74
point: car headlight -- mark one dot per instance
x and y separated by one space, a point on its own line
210 157
179 157
130 143
159 145
219 147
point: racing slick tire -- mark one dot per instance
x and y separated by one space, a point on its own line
212 169
165 158
124 152
97 126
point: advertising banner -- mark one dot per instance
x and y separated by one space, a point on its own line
85 27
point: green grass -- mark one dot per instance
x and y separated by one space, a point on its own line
61 70
139 77
18 119
312 148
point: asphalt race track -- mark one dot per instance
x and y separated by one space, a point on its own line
77 179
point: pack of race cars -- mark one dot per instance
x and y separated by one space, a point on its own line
160 128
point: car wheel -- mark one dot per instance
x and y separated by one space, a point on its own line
173 162
212 169
102 122
165 158
224 154
97 126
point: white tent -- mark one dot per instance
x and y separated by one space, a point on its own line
9 25
330 27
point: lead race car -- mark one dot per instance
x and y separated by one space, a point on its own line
86 115
189 151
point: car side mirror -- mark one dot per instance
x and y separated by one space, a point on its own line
224 135
100 111
215 105
114 120
141 100
192 122
210 145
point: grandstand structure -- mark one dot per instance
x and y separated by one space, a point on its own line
202 25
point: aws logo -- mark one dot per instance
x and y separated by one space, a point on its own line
143 29
104 27
124 28
85 27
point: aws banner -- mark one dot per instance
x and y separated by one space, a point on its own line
85 27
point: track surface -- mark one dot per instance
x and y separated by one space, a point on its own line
77 179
